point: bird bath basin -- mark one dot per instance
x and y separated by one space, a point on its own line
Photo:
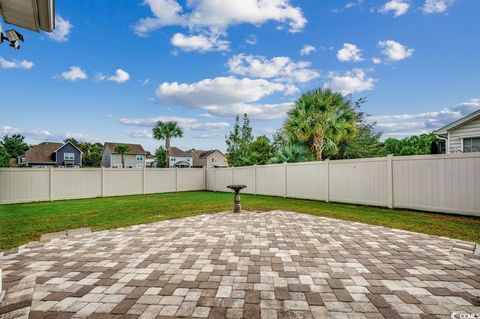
236 188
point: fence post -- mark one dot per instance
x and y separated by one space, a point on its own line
143 181
102 181
390 180
233 175
50 184
255 179
328 179
176 179
285 177
205 178
215 179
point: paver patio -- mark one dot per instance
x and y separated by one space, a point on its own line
250 265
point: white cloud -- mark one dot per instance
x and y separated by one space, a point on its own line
187 123
75 73
15 64
402 125
350 82
120 76
226 96
201 43
44 135
395 51
62 30
215 17
278 68
398 7
436 6
251 39
376 60
349 53
307 49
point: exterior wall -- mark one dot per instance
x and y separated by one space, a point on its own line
216 159
470 129
68 148
130 161
176 159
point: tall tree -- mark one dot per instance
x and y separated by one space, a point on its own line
234 141
322 119
247 136
366 144
280 139
160 157
122 149
14 145
259 151
4 157
166 131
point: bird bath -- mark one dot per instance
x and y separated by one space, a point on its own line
236 188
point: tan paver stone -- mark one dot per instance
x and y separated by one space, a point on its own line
251 265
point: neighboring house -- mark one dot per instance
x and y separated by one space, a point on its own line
48 154
150 161
211 158
179 158
463 135
135 158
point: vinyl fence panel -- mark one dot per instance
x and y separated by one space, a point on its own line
190 179
21 185
438 183
245 176
271 180
223 178
359 181
308 180
160 180
122 181
69 183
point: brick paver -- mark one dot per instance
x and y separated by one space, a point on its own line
250 265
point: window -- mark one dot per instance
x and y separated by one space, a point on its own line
139 165
68 156
471 144
139 157
172 159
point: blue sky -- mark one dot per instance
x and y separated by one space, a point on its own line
112 68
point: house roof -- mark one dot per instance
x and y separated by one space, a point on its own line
174 151
201 154
42 153
34 15
444 130
134 148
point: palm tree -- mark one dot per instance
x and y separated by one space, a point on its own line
292 153
322 119
122 149
166 131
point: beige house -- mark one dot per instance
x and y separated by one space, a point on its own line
135 158
211 158
463 135
179 158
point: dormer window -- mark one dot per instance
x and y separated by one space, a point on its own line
68 156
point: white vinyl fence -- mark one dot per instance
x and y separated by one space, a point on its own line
27 185
439 183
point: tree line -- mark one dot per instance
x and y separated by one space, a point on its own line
321 124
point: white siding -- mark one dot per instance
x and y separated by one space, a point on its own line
470 129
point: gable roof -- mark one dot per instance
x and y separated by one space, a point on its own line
201 154
134 148
174 151
42 153
444 130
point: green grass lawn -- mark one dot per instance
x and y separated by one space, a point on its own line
22 223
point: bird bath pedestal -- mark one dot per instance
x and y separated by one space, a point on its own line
236 188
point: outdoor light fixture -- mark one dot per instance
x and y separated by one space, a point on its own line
11 36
